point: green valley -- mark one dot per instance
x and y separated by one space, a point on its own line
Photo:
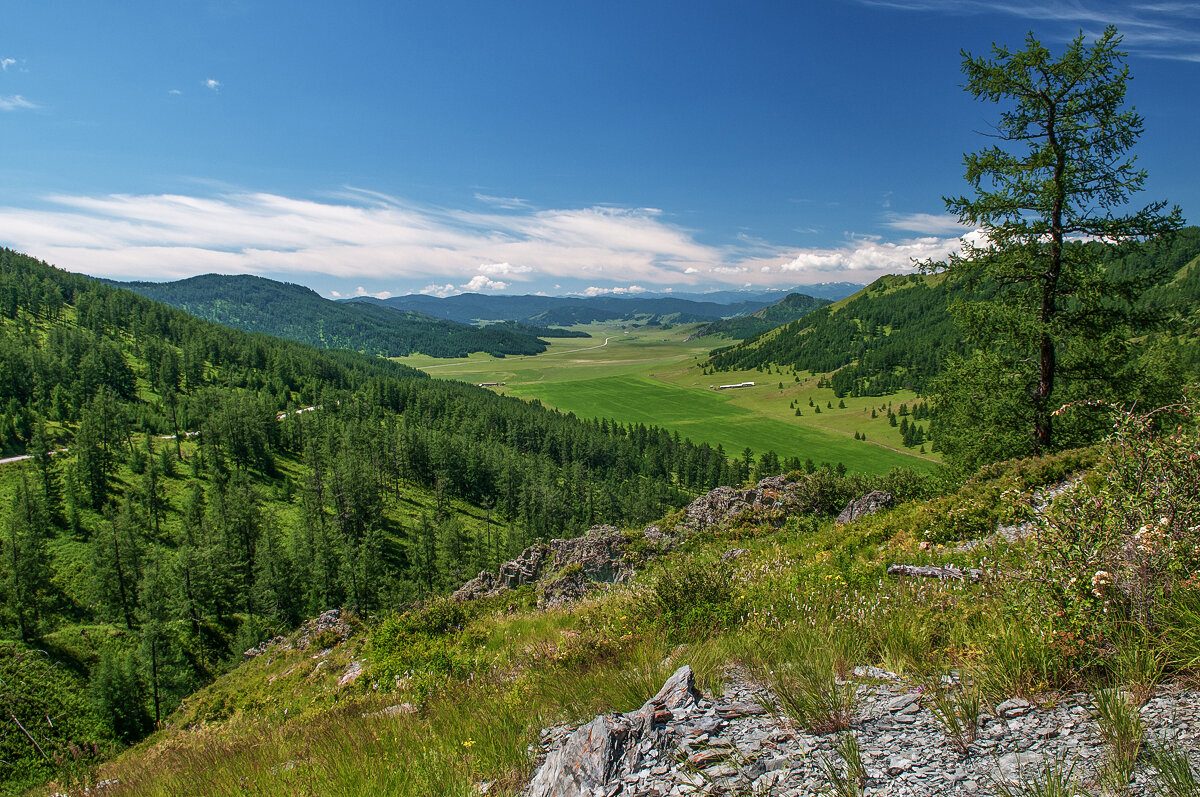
654 376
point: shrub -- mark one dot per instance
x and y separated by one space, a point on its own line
1126 545
693 594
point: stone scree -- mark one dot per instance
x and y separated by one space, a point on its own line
683 743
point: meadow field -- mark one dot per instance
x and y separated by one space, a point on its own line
651 375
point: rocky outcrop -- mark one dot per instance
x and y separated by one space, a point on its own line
613 748
771 501
326 629
865 505
571 566
568 569
740 743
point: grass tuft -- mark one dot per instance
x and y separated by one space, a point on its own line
1176 776
850 778
1054 779
1122 729
956 708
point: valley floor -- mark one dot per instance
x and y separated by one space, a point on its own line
652 376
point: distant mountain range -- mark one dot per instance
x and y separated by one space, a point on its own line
540 311
449 327
292 311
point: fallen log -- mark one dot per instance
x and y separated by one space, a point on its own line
943 573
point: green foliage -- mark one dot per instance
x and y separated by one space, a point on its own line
887 337
1176 776
407 651
1054 778
118 694
853 780
1056 321
695 593
956 708
803 670
1121 729
51 729
789 308
1123 545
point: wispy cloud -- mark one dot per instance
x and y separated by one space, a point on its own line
865 257
5 63
926 223
375 239
214 85
1169 30
15 103
506 202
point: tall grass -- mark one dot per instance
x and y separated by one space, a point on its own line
802 668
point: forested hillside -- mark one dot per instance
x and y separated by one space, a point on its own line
291 311
212 487
789 308
886 337
897 332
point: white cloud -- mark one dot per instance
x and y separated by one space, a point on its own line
361 291
371 237
481 282
15 102
375 240
866 259
5 63
336 294
174 92
503 269
214 85
439 290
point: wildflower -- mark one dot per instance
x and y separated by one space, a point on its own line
1101 579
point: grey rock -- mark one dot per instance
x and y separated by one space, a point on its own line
1016 707
866 505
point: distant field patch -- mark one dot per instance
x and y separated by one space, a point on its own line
709 416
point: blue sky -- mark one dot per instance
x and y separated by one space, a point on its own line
395 147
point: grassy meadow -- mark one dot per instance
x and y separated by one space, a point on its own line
651 375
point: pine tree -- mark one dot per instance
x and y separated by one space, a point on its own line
1061 175
24 565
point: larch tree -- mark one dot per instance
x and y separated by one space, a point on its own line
1057 182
